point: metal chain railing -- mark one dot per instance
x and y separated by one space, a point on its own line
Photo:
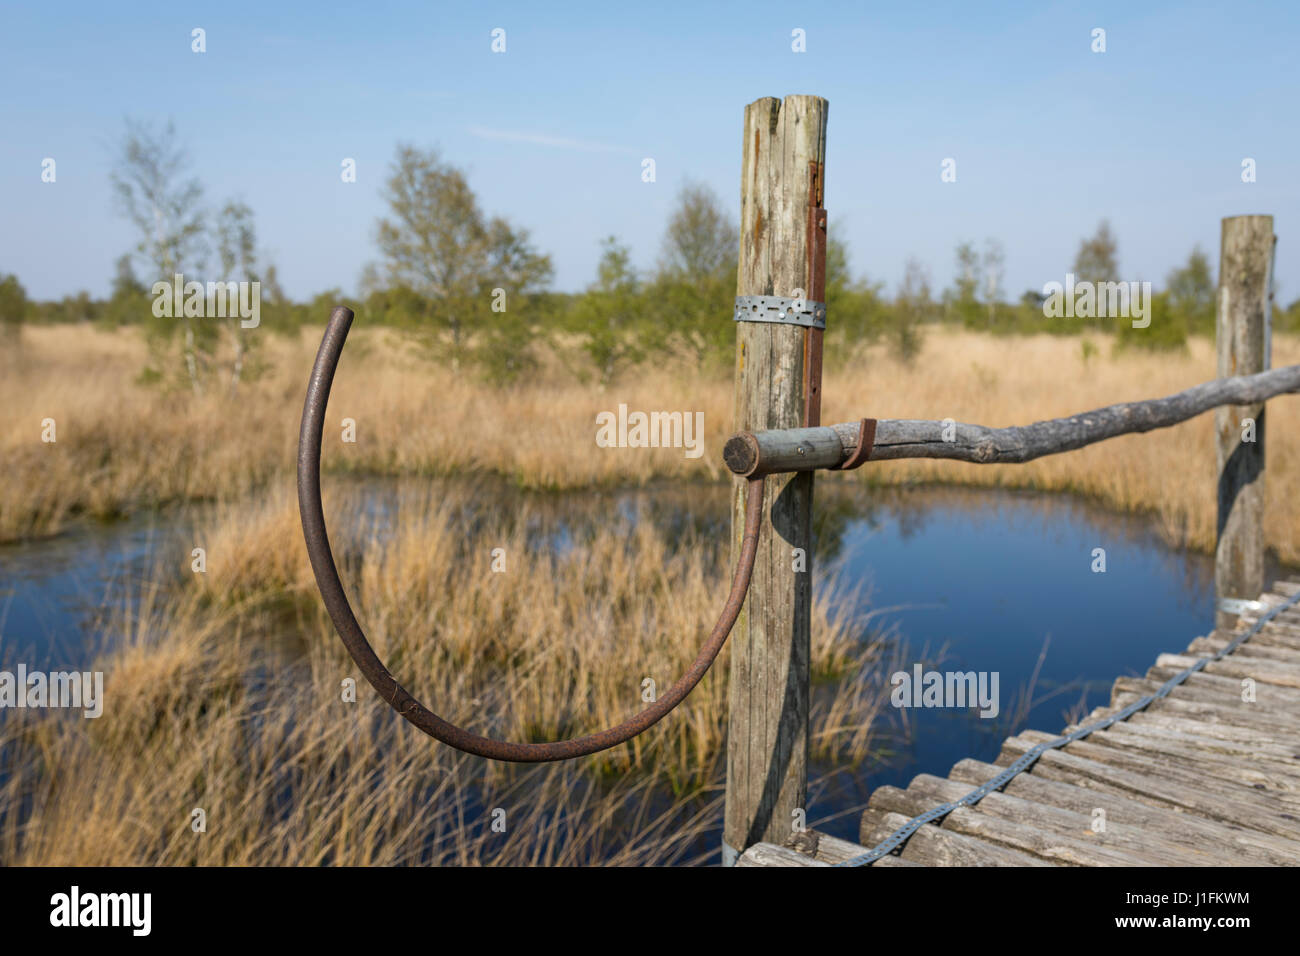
897 839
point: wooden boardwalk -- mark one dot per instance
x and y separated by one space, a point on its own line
1198 778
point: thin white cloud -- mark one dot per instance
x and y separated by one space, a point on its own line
543 139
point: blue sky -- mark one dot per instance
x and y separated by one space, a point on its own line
1049 137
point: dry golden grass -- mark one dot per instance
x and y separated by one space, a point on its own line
227 695
122 446
1170 473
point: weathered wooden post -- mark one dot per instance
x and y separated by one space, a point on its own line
778 384
1243 334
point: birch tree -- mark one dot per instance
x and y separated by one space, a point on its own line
154 191
236 249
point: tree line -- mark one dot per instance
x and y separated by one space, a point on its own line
475 291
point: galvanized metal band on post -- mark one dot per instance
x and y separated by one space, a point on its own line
779 309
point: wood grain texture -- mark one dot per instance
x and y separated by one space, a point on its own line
1198 778
804 449
1242 337
767 737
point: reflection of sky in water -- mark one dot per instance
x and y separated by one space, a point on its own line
986 576
55 593
983 579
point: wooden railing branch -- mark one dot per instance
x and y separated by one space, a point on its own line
809 449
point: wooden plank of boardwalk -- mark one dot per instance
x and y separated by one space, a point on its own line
1198 778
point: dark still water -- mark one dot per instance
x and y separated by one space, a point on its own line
1004 582
993 582
58 596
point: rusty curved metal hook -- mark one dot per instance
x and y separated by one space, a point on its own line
354 639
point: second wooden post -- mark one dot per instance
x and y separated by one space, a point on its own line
1242 335
777 367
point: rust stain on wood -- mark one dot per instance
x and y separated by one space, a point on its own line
815 187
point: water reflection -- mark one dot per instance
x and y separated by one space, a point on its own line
1002 581
974 580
